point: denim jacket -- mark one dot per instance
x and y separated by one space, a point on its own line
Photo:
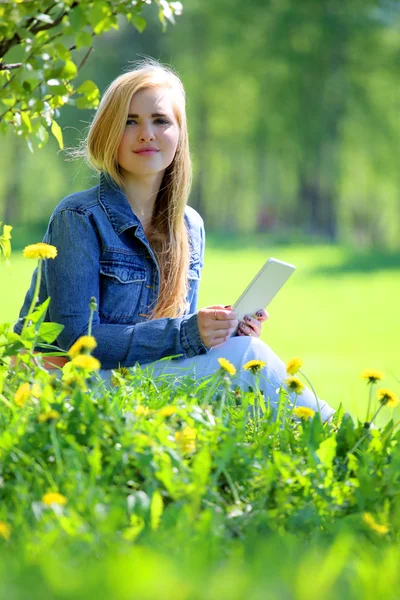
103 252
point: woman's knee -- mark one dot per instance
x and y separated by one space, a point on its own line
251 348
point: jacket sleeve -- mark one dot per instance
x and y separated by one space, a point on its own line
73 277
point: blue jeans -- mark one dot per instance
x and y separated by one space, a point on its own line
238 350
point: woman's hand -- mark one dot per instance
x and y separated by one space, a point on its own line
216 324
252 326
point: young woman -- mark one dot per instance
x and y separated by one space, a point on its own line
134 244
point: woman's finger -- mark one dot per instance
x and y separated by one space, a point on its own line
253 324
262 315
246 330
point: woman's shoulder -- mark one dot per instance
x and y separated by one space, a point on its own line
81 201
193 218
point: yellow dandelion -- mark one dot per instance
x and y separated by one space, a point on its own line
22 394
387 397
371 375
141 410
370 521
85 361
294 384
51 415
54 498
123 372
86 343
303 412
167 411
186 439
293 366
5 530
40 250
227 366
254 366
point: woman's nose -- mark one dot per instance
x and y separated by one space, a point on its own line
146 132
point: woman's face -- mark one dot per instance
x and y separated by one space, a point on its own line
151 125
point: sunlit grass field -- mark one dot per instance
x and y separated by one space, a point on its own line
338 312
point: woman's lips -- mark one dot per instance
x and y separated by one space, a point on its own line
146 152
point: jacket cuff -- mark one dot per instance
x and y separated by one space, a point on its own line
191 342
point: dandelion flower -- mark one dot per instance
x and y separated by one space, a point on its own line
51 415
86 343
371 375
370 521
40 250
186 439
293 366
294 384
167 411
227 366
254 366
22 394
142 410
5 530
122 372
303 412
387 398
84 361
54 498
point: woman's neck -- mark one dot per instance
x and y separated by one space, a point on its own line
141 195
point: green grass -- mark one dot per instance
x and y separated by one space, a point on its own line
338 312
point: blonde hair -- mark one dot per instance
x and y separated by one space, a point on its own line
168 235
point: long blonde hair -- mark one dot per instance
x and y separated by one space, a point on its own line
168 235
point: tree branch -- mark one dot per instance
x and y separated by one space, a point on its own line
10 66
6 45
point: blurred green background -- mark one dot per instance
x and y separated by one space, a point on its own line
294 126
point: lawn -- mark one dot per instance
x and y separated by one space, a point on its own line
338 312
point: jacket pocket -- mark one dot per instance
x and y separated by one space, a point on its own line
122 285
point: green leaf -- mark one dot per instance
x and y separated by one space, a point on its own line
87 87
91 95
83 38
49 332
156 509
62 52
94 459
138 22
26 122
327 451
77 17
70 70
201 469
56 131
39 314
96 14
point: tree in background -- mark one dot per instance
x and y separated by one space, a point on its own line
41 45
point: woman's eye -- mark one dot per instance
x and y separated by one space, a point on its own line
159 121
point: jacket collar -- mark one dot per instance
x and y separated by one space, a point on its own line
116 205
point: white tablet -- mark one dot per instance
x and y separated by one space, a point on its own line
264 287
